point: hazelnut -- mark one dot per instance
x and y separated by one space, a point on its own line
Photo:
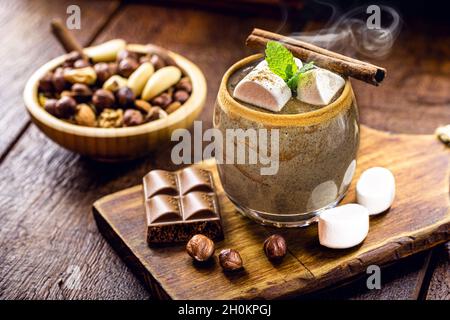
81 92
110 118
66 107
71 58
125 54
181 96
103 71
45 83
125 97
230 260
184 84
127 66
85 116
103 99
163 100
59 83
275 247
200 247
132 117
157 62
155 113
174 106
81 63
142 105
50 106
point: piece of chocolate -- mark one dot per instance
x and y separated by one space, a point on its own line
181 204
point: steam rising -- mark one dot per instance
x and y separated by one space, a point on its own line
349 33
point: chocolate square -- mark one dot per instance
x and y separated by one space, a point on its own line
180 204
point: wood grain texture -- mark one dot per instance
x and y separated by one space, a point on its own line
46 192
419 219
27 43
439 287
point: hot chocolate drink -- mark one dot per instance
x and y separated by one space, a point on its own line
316 144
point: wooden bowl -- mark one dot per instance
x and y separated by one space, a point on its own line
115 144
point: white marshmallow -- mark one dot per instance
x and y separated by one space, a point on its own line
318 86
264 89
376 189
343 227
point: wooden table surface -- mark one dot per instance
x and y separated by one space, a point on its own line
50 247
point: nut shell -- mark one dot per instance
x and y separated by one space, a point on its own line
132 117
85 116
200 247
103 99
230 260
85 75
275 247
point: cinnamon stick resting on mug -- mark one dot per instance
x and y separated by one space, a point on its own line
323 58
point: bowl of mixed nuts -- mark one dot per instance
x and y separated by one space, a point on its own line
115 101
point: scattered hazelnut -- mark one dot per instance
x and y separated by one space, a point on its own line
275 247
142 105
163 100
102 69
81 63
125 54
110 118
85 116
181 96
125 97
113 67
200 247
103 99
59 83
184 84
174 106
127 66
50 107
132 117
46 84
157 62
81 92
230 260
66 107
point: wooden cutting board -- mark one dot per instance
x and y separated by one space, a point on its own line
419 219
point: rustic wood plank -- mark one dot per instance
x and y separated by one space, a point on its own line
47 193
47 228
399 233
439 287
65 234
27 43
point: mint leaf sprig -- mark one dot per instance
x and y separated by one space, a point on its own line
281 62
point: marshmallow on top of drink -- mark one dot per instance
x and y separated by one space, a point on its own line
278 78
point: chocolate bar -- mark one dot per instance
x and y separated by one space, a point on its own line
180 204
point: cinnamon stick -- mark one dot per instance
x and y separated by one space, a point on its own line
65 38
323 58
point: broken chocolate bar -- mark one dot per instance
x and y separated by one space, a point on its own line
181 204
